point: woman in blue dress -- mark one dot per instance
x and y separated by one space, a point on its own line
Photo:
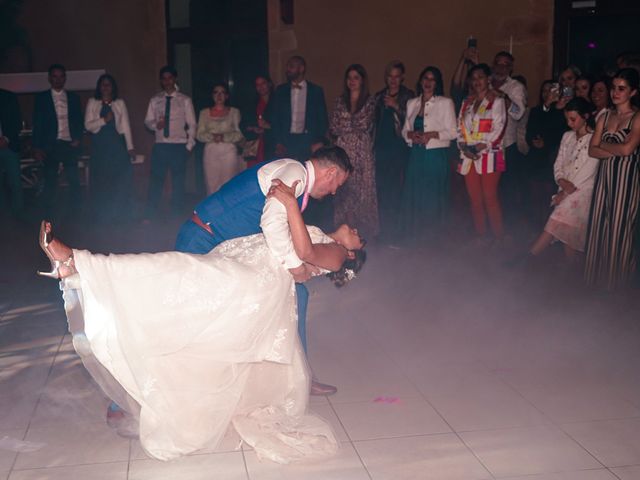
429 128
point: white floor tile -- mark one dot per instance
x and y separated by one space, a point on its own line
627 473
577 403
25 378
613 442
101 471
7 457
600 474
227 466
389 417
19 331
495 353
345 465
74 445
16 410
230 443
476 401
432 457
362 377
318 400
527 451
327 413
60 405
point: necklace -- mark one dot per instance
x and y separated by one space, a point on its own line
580 147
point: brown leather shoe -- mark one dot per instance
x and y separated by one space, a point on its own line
318 388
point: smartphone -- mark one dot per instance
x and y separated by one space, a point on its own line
472 42
555 88
472 149
567 92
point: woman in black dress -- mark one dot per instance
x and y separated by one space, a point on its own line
107 119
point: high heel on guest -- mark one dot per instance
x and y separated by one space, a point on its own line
45 238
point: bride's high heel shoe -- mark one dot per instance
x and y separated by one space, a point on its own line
45 239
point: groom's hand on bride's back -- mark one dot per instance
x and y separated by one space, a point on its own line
304 272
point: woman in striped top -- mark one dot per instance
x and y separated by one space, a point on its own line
611 254
481 125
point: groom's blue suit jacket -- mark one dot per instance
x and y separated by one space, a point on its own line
233 211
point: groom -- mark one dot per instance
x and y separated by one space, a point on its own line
240 207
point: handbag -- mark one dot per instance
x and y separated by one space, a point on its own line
250 148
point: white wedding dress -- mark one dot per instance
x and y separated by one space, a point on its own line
196 343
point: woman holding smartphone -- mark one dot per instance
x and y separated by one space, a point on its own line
481 125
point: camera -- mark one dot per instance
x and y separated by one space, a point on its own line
472 42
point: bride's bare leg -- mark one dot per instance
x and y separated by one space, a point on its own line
60 255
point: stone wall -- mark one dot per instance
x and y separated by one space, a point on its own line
332 34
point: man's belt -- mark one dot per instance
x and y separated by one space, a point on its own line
196 219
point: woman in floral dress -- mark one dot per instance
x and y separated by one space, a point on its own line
351 124
574 171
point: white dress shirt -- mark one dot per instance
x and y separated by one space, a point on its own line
517 93
298 107
439 116
274 222
93 122
61 105
182 121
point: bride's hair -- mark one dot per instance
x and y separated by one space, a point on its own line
349 268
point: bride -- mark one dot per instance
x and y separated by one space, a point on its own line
196 344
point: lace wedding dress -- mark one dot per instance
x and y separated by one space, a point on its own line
196 343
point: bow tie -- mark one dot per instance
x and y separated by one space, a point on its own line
294 85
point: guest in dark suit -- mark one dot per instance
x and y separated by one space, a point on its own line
298 119
390 149
57 131
300 113
10 149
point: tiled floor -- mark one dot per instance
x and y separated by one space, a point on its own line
449 367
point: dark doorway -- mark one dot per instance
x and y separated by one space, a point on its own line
590 34
218 41
212 41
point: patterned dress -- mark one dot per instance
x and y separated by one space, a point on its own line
356 202
611 256
569 219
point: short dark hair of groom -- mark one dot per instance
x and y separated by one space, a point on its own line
333 156
168 69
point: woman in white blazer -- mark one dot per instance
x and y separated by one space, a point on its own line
106 117
429 127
